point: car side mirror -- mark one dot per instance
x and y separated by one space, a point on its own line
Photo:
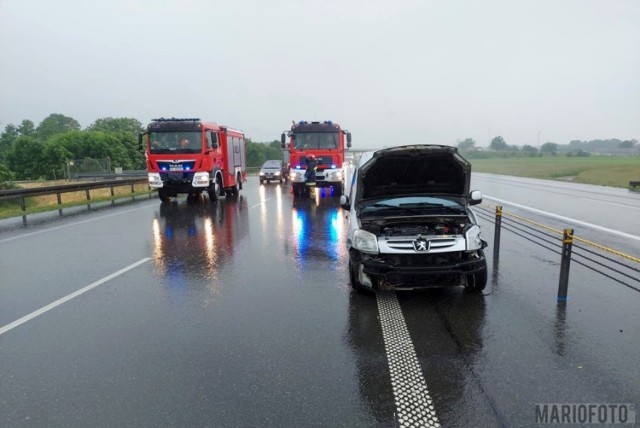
475 197
344 202
140 141
283 140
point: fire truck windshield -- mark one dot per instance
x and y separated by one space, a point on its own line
167 142
315 140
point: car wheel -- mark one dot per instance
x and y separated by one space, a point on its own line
164 197
261 181
478 280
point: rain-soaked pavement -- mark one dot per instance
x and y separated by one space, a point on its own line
239 313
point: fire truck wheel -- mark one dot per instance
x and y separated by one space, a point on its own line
213 191
239 181
233 191
219 187
162 194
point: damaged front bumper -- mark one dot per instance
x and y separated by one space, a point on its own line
409 272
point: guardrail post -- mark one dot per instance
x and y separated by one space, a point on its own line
23 205
88 199
567 244
113 201
496 234
59 203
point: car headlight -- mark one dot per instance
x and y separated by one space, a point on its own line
154 180
261 172
365 241
472 236
297 175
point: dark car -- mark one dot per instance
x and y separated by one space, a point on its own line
274 170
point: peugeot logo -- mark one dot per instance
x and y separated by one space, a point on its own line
421 244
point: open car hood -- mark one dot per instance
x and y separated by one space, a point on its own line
414 170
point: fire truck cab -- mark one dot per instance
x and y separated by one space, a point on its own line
190 156
326 141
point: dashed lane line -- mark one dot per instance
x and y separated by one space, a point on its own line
68 297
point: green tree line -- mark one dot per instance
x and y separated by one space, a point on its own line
29 152
499 147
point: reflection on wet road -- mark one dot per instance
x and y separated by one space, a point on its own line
244 317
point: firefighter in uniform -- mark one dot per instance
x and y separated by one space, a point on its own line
310 173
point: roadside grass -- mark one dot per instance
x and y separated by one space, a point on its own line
601 170
37 204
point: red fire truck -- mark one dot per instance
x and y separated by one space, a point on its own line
326 141
190 156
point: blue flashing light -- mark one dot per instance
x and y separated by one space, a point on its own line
164 168
333 166
328 122
186 168
297 166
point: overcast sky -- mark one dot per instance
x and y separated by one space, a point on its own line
391 72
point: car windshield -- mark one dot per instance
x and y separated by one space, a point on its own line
316 140
271 164
418 205
175 142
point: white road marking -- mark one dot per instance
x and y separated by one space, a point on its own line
414 406
65 299
261 203
50 229
611 203
563 218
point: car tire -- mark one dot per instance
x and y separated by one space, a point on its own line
478 280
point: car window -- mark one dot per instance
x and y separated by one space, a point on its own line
272 164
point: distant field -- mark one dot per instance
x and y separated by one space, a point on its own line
602 170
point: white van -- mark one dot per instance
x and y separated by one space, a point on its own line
410 222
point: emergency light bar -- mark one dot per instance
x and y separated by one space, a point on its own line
175 119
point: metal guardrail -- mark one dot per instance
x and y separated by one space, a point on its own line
65 188
589 254
113 176
23 194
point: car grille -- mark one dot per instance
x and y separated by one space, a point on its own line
405 243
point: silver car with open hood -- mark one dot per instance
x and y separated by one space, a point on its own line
410 221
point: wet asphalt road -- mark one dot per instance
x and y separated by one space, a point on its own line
240 313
